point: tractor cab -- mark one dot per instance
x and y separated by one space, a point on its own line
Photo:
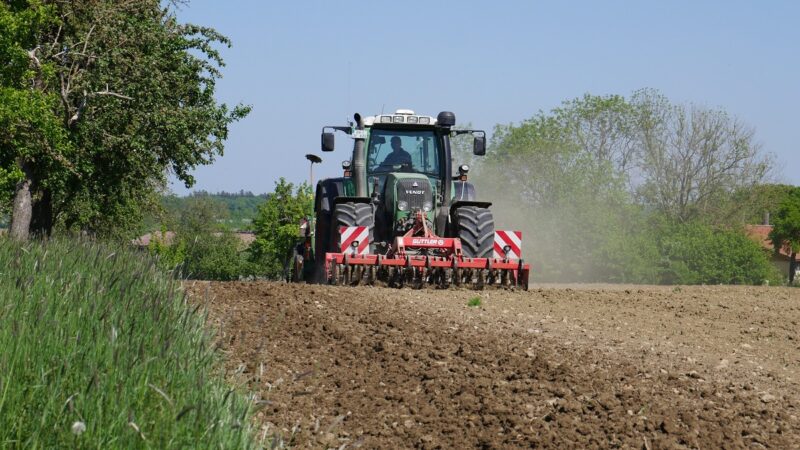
401 163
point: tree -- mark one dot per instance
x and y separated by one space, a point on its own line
602 127
785 233
593 184
694 159
202 247
119 95
277 226
569 203
696 253
200 216
758 202
29 131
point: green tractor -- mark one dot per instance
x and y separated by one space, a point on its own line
399 215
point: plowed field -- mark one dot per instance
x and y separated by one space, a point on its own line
555 367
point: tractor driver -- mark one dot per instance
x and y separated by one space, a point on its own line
398 156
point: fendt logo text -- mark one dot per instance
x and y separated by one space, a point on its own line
415 192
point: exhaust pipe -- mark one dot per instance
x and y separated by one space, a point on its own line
359 160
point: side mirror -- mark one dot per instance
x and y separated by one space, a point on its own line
479 146
327 142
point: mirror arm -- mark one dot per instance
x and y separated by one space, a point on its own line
347 130
460 132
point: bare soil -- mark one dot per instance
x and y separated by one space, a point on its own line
555 367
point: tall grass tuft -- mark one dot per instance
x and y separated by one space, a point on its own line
98 349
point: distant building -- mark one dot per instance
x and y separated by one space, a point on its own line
782 258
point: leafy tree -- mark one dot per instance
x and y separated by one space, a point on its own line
201 216
277 226
786 231
694 160
216 257
695 253
202 247
104 100
29 129
241 208
570 204
602 127
584 184
755 201
8 180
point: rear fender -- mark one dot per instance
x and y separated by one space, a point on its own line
327 191
459 203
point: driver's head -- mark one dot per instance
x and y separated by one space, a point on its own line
396 143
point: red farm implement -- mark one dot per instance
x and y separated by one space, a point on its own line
420 258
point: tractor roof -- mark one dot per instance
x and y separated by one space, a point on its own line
400 117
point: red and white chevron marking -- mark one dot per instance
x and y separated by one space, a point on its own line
510 241
354 240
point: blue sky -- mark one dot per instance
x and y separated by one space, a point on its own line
305 64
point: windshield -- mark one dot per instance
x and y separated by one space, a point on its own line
403 151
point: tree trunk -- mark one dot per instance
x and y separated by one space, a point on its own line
42 219
792 267
22 209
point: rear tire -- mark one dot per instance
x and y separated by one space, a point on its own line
326 193
322 237
351 215
475 227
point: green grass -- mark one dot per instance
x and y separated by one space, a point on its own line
474 302
95 335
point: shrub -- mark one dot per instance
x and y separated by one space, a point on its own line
202 248
277 227
215 257
699 254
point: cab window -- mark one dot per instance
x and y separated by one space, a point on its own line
403 151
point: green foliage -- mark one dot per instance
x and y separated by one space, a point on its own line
97 120
753 202
8 179
786 231
97 334
170 255
205 249
216 257
573 209
277 227
580 182
474 302
201 247
241 207
698 254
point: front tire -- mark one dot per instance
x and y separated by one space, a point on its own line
475 227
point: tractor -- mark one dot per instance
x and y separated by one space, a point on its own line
400 216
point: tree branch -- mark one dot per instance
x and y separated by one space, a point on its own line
111 93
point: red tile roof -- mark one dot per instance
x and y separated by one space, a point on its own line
760 234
